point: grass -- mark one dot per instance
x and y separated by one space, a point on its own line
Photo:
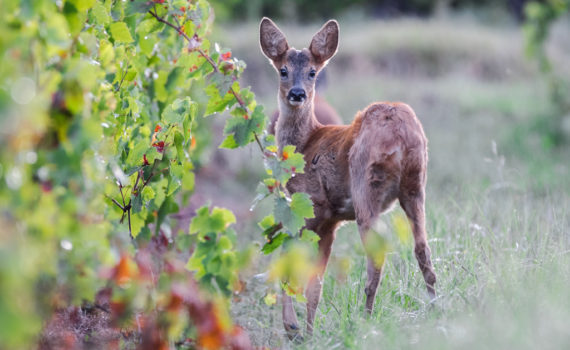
503 265
498 199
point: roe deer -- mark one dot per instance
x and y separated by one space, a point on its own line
324 112
352 172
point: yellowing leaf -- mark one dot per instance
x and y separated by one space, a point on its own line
295 267
106 52
124 271
83 5
270 299
137 223
286 165
100 13
376 247
267 222
120 32
217 221
402 228
188 181
229 142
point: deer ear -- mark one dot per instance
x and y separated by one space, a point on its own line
272 40
325 42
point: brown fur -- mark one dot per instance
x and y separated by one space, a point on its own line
352 172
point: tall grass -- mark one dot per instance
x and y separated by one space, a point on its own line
503 265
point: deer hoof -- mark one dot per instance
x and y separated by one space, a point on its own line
294 333
431 292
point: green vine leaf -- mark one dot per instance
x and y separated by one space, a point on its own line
310 237
286 165
274 243
138 6
120 32
218 102
215 221
292 215
101 14
179 110
83 5
243 127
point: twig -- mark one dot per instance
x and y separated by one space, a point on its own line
116 203
151 174
123 77
125 208
102 308
161 20
135 190
129 217
121 189
176 20
215 66
259 143
274 230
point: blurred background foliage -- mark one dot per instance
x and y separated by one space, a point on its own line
539 19
321 10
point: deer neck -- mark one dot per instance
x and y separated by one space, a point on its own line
295 125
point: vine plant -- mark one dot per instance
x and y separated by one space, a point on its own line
102 106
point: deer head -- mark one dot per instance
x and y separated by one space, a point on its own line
298 69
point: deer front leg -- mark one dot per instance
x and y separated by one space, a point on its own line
290 321
315 286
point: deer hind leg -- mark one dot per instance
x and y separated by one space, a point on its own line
372 197
374 271
314 288
413 204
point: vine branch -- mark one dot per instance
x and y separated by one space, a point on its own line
216 68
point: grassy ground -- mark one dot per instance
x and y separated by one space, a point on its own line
498 196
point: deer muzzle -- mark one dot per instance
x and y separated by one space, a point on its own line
296 95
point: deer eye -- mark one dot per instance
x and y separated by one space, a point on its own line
283 72
312 73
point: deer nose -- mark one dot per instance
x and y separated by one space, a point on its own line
297 94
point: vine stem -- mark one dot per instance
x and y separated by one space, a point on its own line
259 144
215 66
123 77
162 20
